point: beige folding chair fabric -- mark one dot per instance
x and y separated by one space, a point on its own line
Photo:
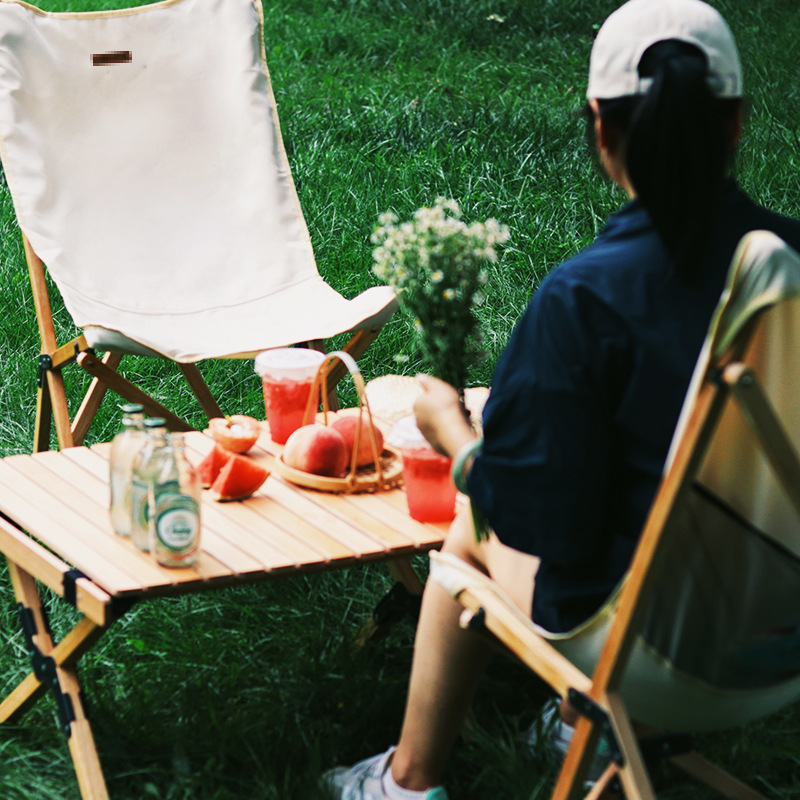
704 631
144 156
154 183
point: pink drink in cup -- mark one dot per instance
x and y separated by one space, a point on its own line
430 491
287 374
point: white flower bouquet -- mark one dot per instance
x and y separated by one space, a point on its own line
437 263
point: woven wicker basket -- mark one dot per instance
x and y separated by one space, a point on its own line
387 469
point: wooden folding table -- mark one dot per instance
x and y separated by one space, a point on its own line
55 528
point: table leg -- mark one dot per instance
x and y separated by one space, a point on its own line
54 670
401 570
403 599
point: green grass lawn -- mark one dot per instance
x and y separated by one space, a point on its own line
384 104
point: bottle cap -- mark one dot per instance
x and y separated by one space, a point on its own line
155 422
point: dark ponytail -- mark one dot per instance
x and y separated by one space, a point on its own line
678 144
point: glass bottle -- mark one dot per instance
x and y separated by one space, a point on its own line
146 466
175 502
124 448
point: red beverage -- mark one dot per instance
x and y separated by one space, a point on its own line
430 490
285 403
287 374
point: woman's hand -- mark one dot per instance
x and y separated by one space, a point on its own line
440 416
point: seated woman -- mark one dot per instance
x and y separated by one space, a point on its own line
586 396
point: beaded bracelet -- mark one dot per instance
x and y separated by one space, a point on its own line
459 468
459 473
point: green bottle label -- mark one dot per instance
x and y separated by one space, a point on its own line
177 520
140 507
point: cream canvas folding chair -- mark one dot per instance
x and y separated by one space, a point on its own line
144 157
704 631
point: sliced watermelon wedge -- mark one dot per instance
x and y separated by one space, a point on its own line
210 466
239 478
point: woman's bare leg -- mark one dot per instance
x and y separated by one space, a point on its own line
448 661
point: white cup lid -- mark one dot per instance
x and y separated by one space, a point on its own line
405 435
288 362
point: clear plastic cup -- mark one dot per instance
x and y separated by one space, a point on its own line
287 374
430 491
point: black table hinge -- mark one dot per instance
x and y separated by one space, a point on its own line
45 365
120 606
587 707
395 604
44 668
70 590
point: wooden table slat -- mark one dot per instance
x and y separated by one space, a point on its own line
314 511
390 538
388 508
89 518
284 529
93 459
228 556
57 535
270 556
93 527
293 531
82 480
61 499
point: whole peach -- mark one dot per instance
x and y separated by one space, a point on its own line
318 449
347 427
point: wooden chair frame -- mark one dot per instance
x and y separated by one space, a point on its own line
51 399
597 698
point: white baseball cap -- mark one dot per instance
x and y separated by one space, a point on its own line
638 24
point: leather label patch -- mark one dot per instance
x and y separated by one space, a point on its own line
112 57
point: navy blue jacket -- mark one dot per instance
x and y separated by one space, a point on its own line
585 399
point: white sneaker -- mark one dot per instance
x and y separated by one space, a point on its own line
364 781
550 731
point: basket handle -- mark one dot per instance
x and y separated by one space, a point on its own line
321 384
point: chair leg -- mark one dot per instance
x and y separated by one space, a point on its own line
356 347
360 342
606 787
99 386
569 785
91 401
22 698
633 772
336 372
706 772
44 411
54 667
124 388
401 570
201 391
58 400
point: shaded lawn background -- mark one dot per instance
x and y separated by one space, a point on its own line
384 104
